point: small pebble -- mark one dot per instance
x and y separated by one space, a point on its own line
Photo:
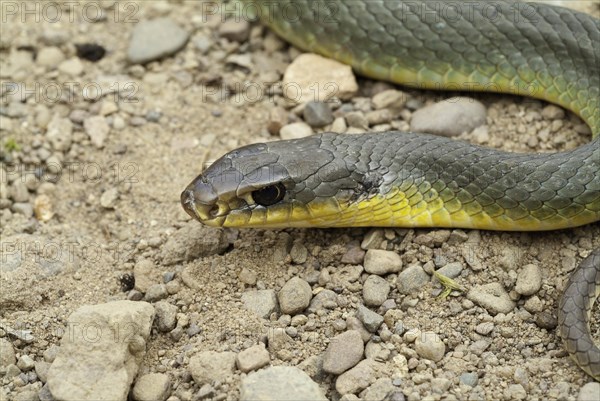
253 358
152 387
155 39
261 302
389 99
294 296
235 29
375 290
370 319
529 280
492 297
309 77
412 278
295 131
382 262
590 391
156 292
317 114
166 316
469 379
430 346
97 129
343 352
449 117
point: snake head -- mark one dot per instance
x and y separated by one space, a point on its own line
294 183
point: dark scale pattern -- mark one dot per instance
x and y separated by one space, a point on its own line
575 305
529 49
556 186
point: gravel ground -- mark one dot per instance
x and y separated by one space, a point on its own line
109 110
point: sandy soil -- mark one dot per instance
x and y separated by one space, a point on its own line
150 164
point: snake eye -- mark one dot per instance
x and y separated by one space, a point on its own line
270 195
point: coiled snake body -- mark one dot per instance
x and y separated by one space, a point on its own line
403 179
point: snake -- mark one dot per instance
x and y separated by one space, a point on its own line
406 179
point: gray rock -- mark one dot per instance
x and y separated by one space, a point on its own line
373 239
248 276
552 112
55 37
50 56
589 391
295 131
440 385
492 297
41 370
529 280
235 29
515 392
97 129
317 114
60 133
25 363
457 237
343 352
145 274
479 346
389 99
278 339
354 255
152 387
209 366
484 328
380 390
18 191
451 270
280 383
166 316
45 394
449 117
353 323
412 278
358 378
298 253
156 292
155 39
261 302
253 358
102 369
294 296
370 319
325 299
109 198
12 371
357 119
24 208
469 379
72 67
193 241
51 353
382 262
377 117
375 290
430 346
7 353
309 69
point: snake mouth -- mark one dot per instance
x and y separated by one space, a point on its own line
200 202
